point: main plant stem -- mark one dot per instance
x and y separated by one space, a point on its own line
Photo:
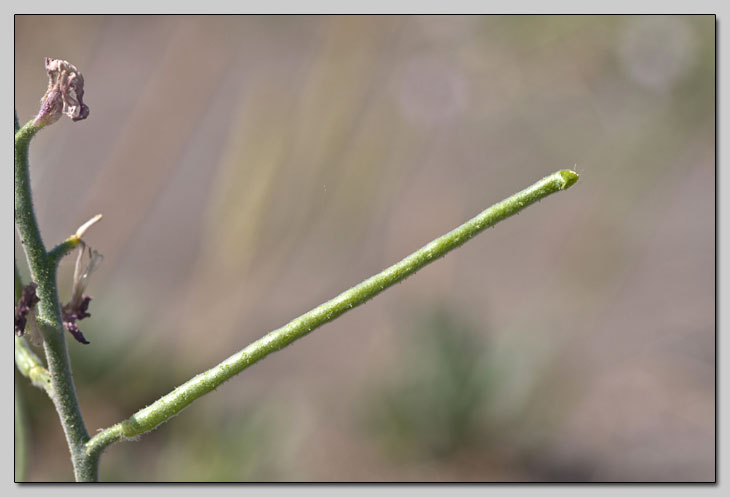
43 272
171 404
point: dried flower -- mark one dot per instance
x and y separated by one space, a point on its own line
71 314
64 95
27 300
77 308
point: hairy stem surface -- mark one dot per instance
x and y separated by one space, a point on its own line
43 272
171 404
21 436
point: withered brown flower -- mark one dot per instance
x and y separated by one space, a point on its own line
77 308
25 304
64 95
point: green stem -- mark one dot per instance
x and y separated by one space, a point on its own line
17 282
21 435
26 364
30 235
171 404
63 249
43 273
26 361
31 366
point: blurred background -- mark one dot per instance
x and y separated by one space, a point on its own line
251 167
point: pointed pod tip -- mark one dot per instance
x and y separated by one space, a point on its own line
569 178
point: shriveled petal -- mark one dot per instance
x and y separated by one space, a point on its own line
64 95
83 271
24 307
73 312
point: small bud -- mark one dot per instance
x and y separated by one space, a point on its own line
27 300
64 95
